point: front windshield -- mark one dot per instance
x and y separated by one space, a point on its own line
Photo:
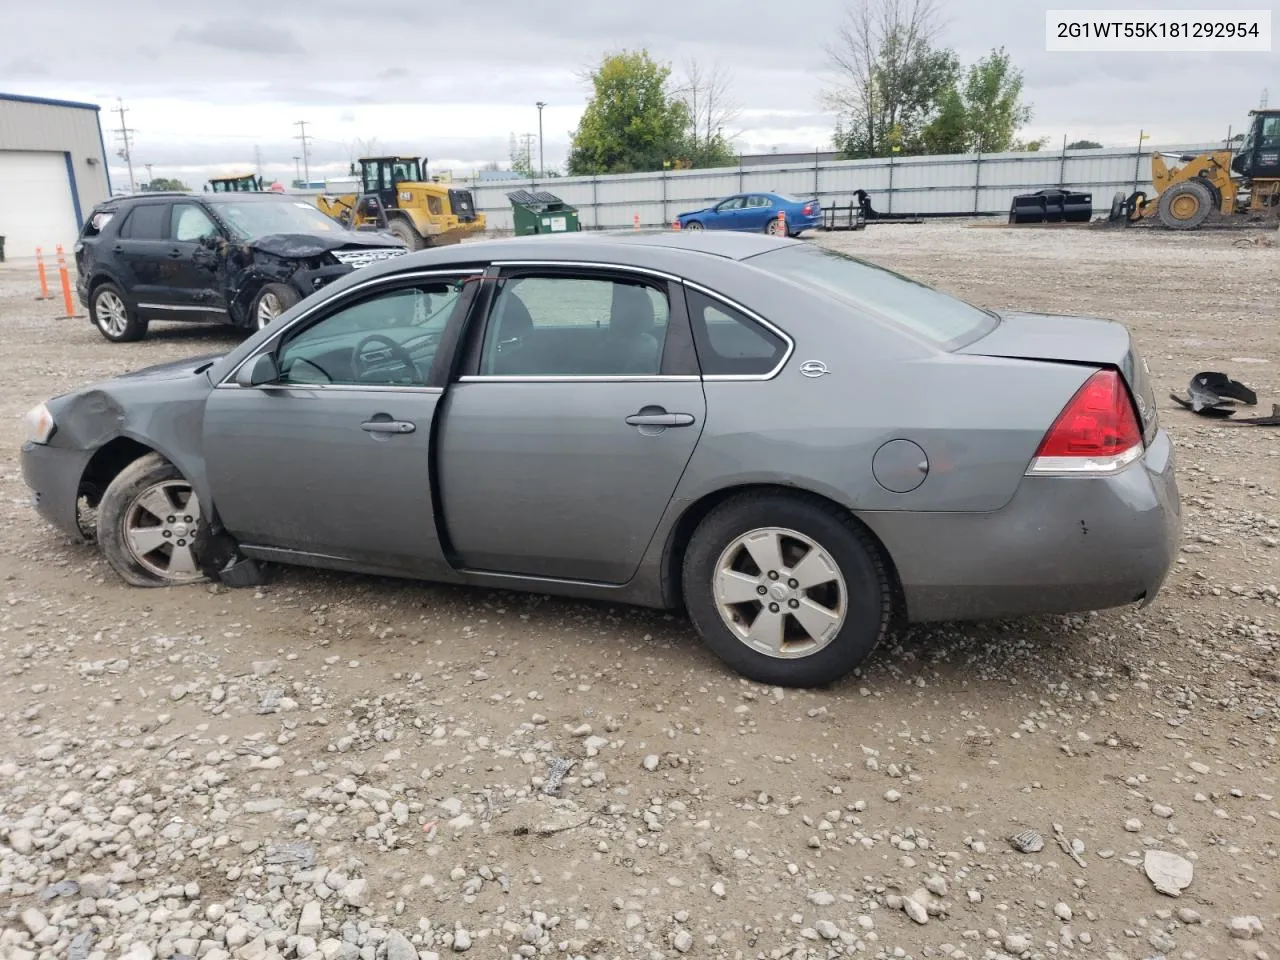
260 218
943 319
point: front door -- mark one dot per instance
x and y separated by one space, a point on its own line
196 292
330 463
727 213
561 448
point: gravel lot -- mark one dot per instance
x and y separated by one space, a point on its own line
337 767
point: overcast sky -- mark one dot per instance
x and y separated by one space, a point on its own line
206 86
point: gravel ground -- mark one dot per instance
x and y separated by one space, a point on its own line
338 767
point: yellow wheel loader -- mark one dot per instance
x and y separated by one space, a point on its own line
240 183
1218 185
393 194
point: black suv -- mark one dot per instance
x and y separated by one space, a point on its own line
238 258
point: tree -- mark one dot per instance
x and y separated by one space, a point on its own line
992 99
632 122
1084 145
704 91
521 157
948 132
890 76
167 183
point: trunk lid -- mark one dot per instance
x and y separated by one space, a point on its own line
1087 341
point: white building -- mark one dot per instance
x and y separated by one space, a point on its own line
53 170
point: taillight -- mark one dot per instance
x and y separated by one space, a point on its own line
808 209
1096 433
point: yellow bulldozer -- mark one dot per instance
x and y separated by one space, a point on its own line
1221 184
394 194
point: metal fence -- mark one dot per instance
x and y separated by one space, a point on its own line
953 185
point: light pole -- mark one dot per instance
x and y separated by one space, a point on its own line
542 163
297 169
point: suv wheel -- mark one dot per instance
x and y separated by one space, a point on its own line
112 315
272 300
787 590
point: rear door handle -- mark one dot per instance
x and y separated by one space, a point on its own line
388 426
660 419
175 253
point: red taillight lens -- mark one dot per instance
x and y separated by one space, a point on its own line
1097 432
808 209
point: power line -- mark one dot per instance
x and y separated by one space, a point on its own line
125 152
306 162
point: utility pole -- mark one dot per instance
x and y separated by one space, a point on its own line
257 159
1262 101
306 163
149 178
297 170
125 153
542 160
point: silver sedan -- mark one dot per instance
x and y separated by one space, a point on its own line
794 446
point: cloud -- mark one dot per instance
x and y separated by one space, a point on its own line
23 67
241 36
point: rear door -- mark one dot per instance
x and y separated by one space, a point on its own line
141 252
196 292
756 212
560 448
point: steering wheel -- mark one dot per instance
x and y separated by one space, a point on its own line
392 356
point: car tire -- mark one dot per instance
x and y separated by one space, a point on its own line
693 225
113 315
272 300
406 234
852 608
145 544
771 228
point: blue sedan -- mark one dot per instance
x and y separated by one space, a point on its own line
756 213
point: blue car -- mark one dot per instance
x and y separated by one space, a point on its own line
756 213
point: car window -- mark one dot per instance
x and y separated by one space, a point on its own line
386 339
945 320
758 201
575 327
732 204
1271 131
728 342
190 222
146 222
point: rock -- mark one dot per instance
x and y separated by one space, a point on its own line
1168 872
651 762
1132 825
683 941
1063 912
267 805
21 841
717 888
1017 943
1244 928
356 893
399 948
311 921
936 885
452 807
827 930
915 910
461 941
34 921
820 898
892 796
1189 916
1161 811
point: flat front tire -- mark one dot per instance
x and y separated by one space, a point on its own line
787 590
147 524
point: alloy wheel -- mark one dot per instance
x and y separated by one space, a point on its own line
159 529
268 309
780 593
110 314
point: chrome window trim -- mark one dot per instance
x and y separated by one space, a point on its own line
589 264
334 387
752 315
269 343
620 378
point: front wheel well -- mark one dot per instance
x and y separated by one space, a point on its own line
106 464
682 533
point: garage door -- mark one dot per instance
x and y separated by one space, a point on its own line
36 209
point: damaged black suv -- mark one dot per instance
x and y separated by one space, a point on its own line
238 258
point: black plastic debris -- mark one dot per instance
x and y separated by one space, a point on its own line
1213 394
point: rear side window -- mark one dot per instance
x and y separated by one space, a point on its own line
936 316
97 223
146 222
728 342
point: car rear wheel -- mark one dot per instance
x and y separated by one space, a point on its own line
147 524
773 229
112 315
693 225
786 590
272 300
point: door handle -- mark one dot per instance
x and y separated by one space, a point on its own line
175 253
388 426
660 419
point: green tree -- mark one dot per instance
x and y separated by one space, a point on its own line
948 131
633 121
1084 145
993 101
521 161
167 183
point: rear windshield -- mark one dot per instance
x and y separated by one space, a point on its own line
939 317
255 218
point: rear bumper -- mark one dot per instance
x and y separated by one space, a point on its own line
53 475
1061 545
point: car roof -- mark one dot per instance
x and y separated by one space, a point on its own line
730 245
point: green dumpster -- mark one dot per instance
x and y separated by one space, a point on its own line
542 212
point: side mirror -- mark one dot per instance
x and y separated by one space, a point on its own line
260 371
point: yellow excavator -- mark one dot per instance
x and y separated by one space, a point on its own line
1224 183
394 194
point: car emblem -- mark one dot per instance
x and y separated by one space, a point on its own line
814 368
